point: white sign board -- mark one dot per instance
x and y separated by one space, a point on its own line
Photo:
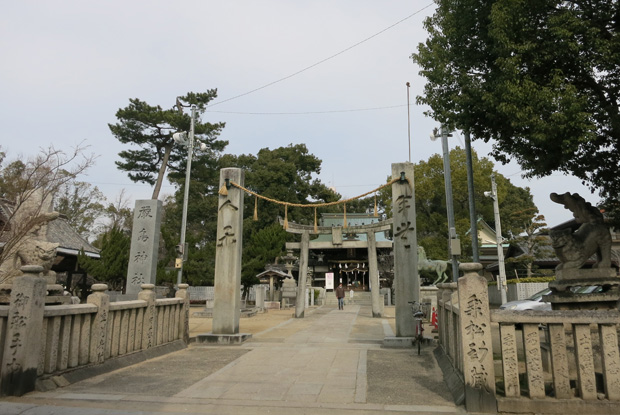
329 280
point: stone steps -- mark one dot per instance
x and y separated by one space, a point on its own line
359 298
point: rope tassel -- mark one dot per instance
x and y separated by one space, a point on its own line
255 208
345 215
376 213
223 191
315 226
285 216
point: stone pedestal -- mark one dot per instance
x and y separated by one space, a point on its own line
289 291
272 305
54 294
5 293
562 298
223 339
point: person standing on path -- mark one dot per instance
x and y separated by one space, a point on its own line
340 296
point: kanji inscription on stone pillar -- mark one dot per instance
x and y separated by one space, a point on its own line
406 279
475 317
142 267
227 301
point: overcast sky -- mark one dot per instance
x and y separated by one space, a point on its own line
68 66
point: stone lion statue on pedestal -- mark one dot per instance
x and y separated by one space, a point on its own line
27 242
592 238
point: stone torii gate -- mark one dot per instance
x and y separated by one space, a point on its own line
337 242
226 309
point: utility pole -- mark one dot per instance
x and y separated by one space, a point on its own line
454 243
501 281
188 169
408 122
473 220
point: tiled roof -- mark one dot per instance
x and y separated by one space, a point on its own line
61 232
273 272
58 231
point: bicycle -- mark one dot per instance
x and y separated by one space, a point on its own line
419 315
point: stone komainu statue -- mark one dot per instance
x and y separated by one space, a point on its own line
30 246
591 238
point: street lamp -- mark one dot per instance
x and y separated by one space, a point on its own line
182 138
501 282
454 244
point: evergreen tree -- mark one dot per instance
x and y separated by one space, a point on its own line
261 248
111 268
285 174
150 128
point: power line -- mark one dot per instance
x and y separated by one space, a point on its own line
323 60
308 112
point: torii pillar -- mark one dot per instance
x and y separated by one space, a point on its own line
227 300
373 273
406 279
300 303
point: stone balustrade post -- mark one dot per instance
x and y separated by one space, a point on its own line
440 313
475 340
184 324
99 322
446 320
23 336
150 318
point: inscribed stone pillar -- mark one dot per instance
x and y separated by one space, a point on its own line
144 245
272 293
227 303
476 342
23 335
373 272
406 280
259 292
303 272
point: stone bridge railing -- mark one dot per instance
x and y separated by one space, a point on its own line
39 341
528 361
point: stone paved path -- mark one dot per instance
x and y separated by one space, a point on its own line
315 365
